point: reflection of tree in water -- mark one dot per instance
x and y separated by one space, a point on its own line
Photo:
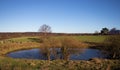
55 53
67 47
67 52
46 52
59 53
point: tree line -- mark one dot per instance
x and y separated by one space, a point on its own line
106 31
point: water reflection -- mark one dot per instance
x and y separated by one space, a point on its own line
58 53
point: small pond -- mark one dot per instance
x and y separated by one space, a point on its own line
74 54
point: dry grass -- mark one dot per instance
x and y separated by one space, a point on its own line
8 47
25 64
112 46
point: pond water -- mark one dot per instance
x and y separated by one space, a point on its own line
76 54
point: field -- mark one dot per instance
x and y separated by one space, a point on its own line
9 45
94 39
84 38
12 44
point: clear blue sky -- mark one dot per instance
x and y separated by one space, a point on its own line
71 16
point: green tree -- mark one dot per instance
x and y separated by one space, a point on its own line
105 31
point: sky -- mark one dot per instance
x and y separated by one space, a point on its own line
63 16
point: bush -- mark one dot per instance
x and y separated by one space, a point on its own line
48 43
66 45
112 46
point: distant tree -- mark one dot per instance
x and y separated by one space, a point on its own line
45 29
105 31
114 31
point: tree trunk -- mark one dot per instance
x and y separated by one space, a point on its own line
48 56
114 55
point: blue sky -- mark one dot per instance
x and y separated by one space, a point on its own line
68 16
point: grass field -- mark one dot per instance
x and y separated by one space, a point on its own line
12 44
96 39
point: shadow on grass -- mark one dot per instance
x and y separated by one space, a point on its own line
35 40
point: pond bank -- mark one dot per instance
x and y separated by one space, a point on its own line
25 64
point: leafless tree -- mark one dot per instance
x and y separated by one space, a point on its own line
45 29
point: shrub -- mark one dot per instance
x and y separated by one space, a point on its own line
112 46
49 42
66 45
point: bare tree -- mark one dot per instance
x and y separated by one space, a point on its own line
45 29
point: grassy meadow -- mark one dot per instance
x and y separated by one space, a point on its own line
12 44
9 45
94 39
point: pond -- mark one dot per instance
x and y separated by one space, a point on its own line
74 54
